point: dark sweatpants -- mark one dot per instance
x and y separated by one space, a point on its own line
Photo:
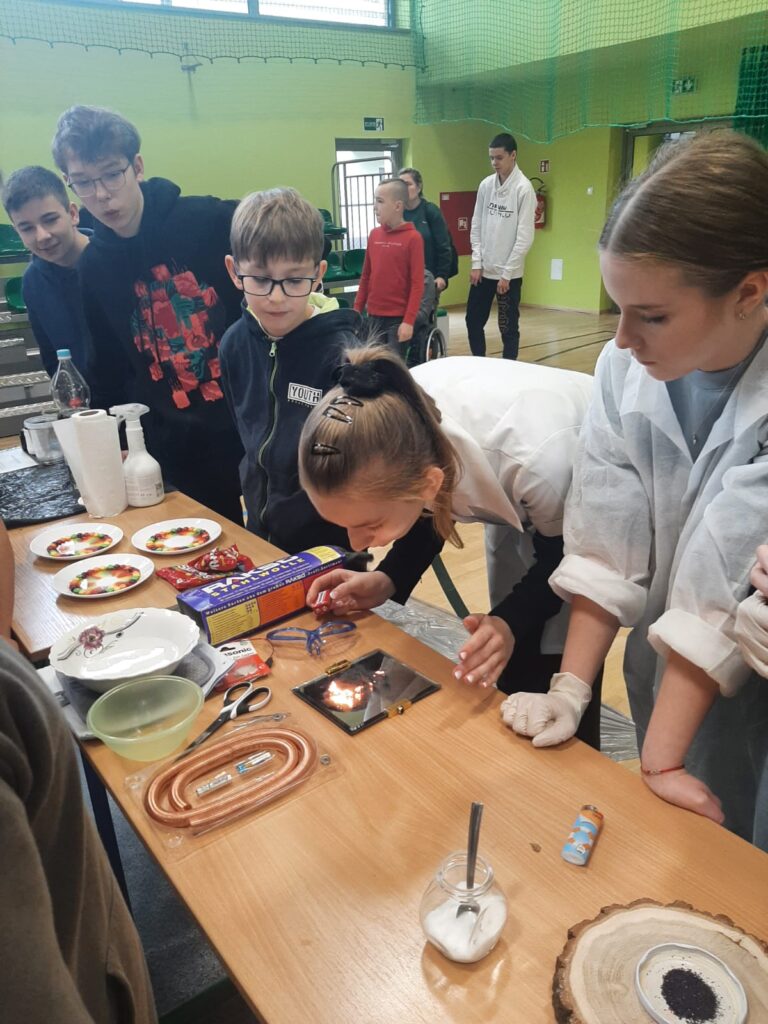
383 330
479 302
214 481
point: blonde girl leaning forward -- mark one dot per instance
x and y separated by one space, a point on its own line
470 440
671 482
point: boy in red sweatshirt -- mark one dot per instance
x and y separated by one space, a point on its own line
392 282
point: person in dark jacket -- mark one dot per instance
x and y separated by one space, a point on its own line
158 299
48 224
278 360
430 223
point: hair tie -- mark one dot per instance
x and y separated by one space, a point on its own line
366 380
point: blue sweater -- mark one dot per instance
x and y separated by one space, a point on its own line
55 310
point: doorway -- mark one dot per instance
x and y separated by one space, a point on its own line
360 166
639 144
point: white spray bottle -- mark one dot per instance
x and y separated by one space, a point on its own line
143 476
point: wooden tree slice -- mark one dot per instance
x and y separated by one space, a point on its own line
594 980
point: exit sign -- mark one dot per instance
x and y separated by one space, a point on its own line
683 85
373 124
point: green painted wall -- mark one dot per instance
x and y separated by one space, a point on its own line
231 128
585 161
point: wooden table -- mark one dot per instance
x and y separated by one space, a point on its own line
40 616
312 904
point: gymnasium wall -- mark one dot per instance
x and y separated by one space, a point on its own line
231 127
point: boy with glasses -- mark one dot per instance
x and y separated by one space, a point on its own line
280 358
48 224
157 299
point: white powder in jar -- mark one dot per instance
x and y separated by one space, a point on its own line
468 937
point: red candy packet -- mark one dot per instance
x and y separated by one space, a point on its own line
213 565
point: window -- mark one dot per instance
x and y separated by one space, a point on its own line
217 6
374 13
350 12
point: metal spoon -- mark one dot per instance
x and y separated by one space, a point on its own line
475 817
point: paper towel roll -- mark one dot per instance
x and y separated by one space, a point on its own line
101 464
65 433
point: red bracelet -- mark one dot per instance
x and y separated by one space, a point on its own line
662 771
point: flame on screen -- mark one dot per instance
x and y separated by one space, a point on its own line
347 696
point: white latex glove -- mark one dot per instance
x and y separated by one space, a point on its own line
752 632
550 718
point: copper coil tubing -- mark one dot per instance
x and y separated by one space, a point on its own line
164 798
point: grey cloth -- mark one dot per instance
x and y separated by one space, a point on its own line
700 397
68 949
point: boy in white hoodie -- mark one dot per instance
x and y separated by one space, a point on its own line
502 233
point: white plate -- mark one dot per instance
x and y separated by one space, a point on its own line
70 541
176 536
125 645
105 576
654 965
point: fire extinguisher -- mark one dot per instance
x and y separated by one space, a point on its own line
540 217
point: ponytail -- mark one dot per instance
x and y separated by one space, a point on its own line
379 432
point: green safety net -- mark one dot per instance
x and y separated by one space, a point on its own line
540 68
546 68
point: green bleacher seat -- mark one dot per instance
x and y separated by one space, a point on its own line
13 295
335 270
333 231
10 243
353 262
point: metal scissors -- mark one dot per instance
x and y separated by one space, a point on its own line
312 638
250 698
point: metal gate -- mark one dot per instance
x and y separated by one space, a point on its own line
353 195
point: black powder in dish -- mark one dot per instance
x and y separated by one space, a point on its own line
689 996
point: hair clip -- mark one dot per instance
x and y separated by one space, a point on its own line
346 400
318 448
332 413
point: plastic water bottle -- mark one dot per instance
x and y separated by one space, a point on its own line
68 387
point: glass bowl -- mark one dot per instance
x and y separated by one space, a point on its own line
146 719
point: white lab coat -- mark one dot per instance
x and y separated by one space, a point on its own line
515 428
666 544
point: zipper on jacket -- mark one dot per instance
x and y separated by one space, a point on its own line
270 435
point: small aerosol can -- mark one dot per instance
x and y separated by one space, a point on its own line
586 828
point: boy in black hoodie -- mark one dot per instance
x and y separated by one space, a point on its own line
279 359
157 298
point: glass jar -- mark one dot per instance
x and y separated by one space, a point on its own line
472 934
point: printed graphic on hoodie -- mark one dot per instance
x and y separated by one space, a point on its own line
177 324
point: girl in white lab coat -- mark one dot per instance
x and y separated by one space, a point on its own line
472 440
671 483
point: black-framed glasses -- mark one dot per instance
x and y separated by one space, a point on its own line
293 287
112 181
